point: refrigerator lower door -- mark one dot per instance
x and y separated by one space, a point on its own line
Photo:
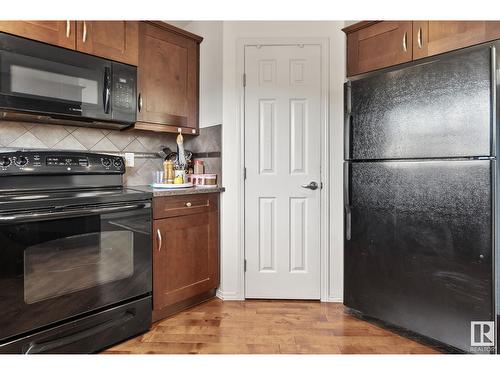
419 251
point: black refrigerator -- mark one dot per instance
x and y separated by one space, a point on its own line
420 197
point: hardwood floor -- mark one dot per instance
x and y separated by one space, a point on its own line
268 327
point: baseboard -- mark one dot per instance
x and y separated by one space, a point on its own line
333 299
228 296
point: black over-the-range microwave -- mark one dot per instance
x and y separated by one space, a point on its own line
45 83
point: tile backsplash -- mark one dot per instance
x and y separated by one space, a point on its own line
60 137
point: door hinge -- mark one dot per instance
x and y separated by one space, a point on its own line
244 79
244 173
245 265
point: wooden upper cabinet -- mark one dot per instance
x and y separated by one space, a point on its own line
443 36
378 45
168 79
373 45
59 33
420 39
114 40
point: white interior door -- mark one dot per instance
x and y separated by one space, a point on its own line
282 153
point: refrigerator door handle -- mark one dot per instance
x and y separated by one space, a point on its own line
347 202
348 223
347 119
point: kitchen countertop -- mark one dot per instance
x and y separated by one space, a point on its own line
172 192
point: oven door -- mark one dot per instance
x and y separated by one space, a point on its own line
36 77
57 265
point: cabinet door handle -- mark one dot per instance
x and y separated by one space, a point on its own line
68 29
139 102
419 37
405 37
158 235
84 37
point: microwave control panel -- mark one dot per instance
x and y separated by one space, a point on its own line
124 92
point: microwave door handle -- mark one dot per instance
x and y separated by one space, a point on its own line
30 216
107 89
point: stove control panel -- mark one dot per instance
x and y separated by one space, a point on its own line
59 162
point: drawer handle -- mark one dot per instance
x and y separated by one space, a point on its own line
158 234
419 37
188 204
405 36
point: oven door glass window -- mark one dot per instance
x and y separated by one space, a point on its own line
73 263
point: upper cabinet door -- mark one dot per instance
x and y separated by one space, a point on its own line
167 80
378 46
420 39
114 40
59 33
442 36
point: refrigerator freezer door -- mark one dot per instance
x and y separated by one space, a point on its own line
420 248
437 109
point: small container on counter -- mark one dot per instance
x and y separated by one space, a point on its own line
168 166
180 176
158 177
199 167
203 180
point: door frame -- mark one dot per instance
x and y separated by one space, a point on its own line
325 151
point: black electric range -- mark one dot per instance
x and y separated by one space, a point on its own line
75 263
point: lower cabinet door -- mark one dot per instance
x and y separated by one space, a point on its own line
185 257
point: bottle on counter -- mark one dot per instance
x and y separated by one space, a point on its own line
199 167
190 166
168 166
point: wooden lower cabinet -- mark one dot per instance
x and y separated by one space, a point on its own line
185 252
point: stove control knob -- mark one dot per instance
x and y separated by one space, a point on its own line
5 161
106 162
117 163
21 161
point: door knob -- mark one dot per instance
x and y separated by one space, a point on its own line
312 185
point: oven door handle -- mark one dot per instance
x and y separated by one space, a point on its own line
30 216
42 347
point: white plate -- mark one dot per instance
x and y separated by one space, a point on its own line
172 186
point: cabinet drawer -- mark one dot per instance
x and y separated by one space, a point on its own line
184 205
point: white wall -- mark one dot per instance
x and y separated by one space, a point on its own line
210 69
231 263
